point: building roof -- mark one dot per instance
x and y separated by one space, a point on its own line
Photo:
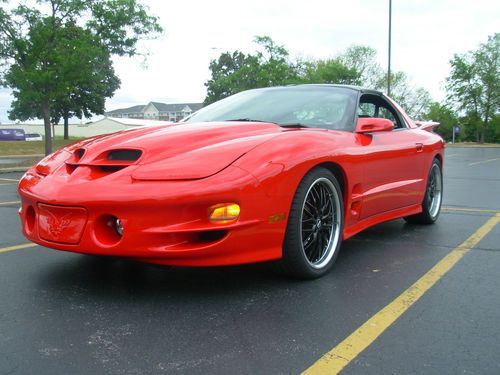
176 107
133 109
161 107
129 122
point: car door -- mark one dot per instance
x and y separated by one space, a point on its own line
392 161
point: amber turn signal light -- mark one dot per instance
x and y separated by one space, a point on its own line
224 213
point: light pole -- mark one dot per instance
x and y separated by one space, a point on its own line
389 58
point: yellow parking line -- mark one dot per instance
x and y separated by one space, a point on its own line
7 203
341 355
9 179
17 247
465 209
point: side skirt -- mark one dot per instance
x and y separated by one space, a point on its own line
380 218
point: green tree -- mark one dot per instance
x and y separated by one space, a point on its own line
235 71
57 56
86 79
226 77
330 71
474 85
446 117
363 60
414 100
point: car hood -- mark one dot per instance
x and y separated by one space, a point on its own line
177 152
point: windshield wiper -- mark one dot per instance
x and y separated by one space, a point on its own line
290 125
249 120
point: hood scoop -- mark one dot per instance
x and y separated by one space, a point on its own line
109 161
124 155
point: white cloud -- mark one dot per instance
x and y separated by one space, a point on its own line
426 34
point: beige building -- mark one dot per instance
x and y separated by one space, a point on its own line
157 111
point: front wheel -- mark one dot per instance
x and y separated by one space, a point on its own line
314 229
431 205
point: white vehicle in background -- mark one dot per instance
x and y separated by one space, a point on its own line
33 137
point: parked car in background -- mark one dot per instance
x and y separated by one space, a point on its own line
33 137
12 135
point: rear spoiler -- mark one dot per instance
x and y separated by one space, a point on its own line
427 125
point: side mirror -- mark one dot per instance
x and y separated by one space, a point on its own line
373 124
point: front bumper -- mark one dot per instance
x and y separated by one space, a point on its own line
163 221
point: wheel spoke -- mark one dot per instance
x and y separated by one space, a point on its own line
306 210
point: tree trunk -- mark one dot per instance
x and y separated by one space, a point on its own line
66 125
46 125
486 120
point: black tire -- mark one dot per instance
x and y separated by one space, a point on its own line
314 229
431 205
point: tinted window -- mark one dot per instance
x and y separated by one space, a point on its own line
376 106
312 106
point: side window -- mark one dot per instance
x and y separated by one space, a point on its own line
366 110
385 113
376 106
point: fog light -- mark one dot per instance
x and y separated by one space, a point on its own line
116 224
224 213
119 227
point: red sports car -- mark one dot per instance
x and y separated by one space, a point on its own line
282 173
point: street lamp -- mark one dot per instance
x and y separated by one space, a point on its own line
389 59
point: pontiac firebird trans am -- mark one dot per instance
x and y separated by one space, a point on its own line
283 173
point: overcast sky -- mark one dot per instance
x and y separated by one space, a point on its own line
425 35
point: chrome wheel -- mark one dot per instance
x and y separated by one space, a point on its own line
434 190
433 196
314 229
319 221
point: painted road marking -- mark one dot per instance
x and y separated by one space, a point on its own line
17 247
483 161
9 183
466 209
341 355
7 203
8 179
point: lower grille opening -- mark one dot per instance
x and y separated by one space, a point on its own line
212 236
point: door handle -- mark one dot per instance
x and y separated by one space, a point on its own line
419 146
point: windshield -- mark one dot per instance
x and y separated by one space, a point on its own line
314 106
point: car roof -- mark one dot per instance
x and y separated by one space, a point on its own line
362 90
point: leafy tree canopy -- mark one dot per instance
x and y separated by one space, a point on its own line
56 56
271 65
473 86
235 71
446 118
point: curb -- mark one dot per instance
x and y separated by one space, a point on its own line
451 145
22 156
13 169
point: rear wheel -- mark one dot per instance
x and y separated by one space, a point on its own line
314 229
431 205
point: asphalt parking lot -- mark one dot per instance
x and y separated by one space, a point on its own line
401 299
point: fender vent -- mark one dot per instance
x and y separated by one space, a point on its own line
124 155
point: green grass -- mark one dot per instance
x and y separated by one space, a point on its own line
32 148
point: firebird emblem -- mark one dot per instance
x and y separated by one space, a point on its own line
57 225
